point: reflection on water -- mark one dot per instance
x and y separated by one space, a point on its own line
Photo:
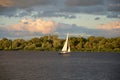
65 55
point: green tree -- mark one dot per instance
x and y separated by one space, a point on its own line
18 44
5 44
30 47
81 42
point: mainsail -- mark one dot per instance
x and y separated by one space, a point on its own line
69 48
66 47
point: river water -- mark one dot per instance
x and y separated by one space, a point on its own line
37 65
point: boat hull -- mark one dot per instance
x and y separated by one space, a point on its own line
64 52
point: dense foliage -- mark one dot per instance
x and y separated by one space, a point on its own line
53 43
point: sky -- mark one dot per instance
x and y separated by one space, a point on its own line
30 18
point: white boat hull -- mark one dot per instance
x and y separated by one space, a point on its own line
63 52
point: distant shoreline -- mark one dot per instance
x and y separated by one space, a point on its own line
9 51
54 43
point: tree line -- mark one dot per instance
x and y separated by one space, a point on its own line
54 43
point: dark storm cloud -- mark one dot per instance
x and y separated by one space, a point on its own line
6 3
113 15
97 18
113 5
90 9
24 3
10 7
8 11
83 2
29 3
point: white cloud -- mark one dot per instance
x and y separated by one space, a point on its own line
110 26
38 25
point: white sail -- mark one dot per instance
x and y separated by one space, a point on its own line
66 47
65 44
69 49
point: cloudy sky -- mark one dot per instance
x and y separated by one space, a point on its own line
29 18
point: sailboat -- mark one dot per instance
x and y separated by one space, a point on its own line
66 47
